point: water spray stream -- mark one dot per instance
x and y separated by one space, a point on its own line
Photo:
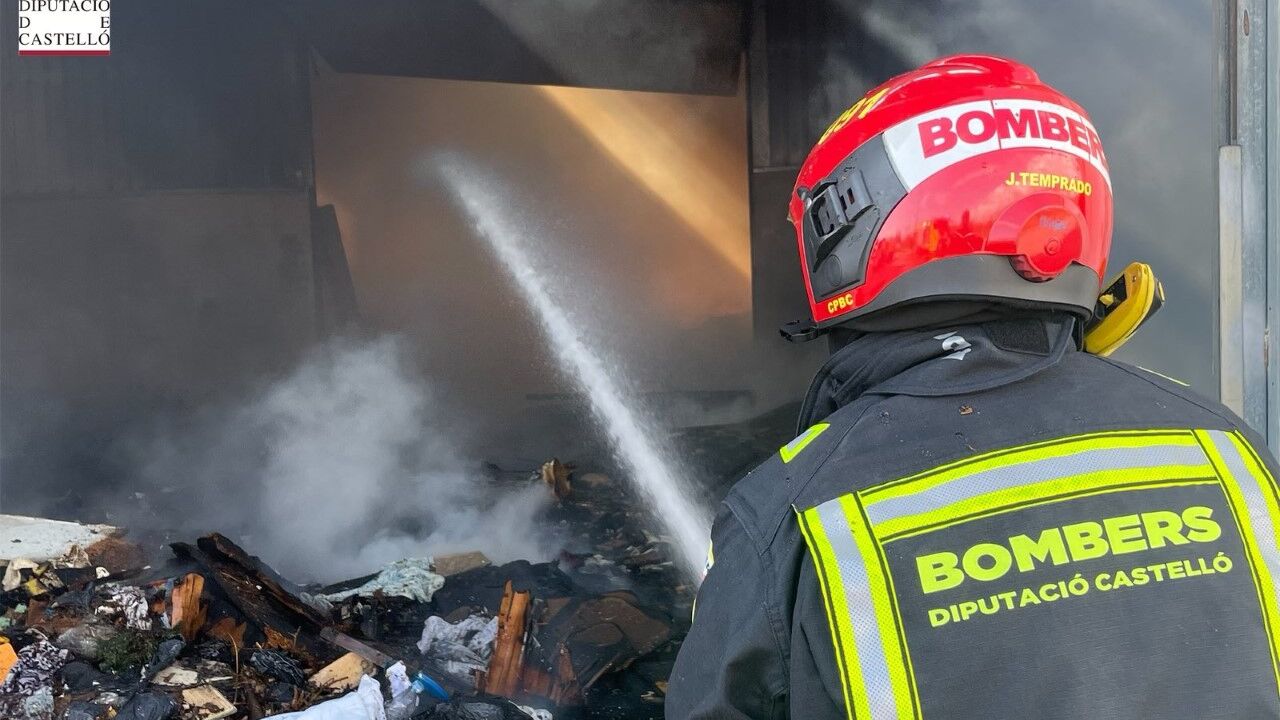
666 493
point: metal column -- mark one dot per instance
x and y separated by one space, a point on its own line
1248 235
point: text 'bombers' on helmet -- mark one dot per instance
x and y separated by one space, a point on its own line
967 179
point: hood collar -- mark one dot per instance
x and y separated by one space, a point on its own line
937 362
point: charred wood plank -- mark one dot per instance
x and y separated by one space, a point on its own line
280 617
506 665
262 574
187 613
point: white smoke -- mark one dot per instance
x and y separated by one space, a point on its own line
344 465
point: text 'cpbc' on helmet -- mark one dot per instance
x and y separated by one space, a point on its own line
967 181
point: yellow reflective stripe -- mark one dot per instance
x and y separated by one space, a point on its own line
1044 492
927 496
998 509
1014 507
1258 469
846 535
855 696
1026 453
1263 581
794 448
883 600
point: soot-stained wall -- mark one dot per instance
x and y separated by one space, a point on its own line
155 237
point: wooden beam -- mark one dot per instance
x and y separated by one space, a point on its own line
186 612
507 664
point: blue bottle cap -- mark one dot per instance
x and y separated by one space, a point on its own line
424 684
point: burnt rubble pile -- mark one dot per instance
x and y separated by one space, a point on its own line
90 631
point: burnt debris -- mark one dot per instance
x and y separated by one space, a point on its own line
89 632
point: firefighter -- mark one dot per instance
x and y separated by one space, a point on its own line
979 519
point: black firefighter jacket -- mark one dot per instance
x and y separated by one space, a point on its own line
985 522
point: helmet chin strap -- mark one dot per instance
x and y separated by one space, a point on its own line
801 331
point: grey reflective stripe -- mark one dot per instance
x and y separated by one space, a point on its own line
1264 531
862 614
1028 473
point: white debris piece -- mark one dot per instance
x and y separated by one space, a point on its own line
41 540
129 602
363 704
482 642
177 676
404 699
13 572
408 578
317 602
460 649
535 713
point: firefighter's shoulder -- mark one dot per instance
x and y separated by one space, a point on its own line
762 499
1146 392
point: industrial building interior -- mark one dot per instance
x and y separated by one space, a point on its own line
234 195
241 181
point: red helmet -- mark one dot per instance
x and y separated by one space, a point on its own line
967 180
